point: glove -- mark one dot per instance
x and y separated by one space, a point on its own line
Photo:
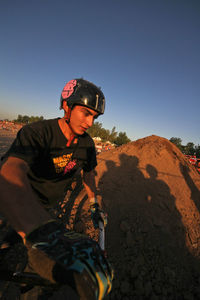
97 215
67 257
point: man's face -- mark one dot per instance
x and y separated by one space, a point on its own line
82 118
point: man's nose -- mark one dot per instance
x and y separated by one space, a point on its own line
90 121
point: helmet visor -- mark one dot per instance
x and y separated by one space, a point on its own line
98 103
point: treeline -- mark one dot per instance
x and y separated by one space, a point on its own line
96 130
189 149
27 120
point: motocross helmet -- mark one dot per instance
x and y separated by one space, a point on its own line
83 92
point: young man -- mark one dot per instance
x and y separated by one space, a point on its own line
36 171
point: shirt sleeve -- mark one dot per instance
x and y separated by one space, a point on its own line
27 145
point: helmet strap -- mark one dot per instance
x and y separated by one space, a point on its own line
68 115
70 140
67 120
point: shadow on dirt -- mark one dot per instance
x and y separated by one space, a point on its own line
145 236
145 233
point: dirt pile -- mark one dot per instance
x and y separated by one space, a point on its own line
152 196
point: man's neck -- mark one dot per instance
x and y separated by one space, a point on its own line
65 128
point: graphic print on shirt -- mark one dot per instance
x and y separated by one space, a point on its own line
64 163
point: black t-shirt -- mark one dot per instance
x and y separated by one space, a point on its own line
52 164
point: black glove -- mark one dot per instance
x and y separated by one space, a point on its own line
67 257
97 215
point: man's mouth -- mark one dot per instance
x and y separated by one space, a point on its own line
83 128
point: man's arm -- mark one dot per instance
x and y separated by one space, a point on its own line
97 213
51 261
89 183
18 202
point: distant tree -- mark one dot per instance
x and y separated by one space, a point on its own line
35 119
19 119
26 119
113 135
189 149
95 129
105 134
197 151
122 139
177 141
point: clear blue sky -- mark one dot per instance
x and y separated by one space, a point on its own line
145 55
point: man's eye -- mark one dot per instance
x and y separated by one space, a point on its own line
85 112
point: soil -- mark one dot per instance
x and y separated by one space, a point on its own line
152 196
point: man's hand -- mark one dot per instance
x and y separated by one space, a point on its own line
97 215
66 257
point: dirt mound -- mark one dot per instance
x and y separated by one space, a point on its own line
152 196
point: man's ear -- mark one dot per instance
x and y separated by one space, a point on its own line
65 106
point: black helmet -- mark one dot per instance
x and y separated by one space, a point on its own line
83 92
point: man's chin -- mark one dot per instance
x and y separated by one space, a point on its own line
80 131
